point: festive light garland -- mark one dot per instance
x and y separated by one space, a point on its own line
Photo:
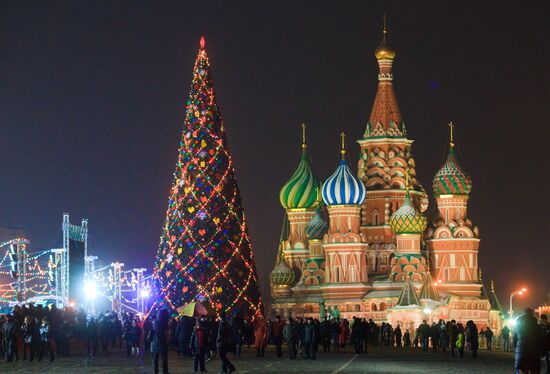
205 252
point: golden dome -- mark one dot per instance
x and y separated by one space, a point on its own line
384 51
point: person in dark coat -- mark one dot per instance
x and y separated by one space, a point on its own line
212 327
290 333
135 337
92 336
159 341
505 333
434 334
424 331
472 337
199 346
9 335
398 336
31 337
443 337
127 335
223 343
324 334
310 336
528 343
489 338
453 333
45 340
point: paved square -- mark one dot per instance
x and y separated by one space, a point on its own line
378 360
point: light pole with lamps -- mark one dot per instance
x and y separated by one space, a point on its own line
518 292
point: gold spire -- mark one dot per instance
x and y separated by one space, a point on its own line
451 129
343 151
318 198
384 51
304 143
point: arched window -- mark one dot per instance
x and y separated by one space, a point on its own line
374 217
373 307
382 306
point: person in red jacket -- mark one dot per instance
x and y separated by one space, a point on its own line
277 335
260 336
344 333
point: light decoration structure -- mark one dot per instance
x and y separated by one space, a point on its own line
205 252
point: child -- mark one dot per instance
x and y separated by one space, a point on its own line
199 346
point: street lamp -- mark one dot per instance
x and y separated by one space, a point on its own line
518 292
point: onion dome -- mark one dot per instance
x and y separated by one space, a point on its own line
407 220
282 274
451 179
342 187
300 190
384 51
317 227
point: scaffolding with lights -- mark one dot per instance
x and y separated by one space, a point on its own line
44 276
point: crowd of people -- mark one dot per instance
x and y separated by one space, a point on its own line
45 333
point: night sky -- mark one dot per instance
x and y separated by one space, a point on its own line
92 100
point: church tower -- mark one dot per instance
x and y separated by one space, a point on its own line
298 197
386 154
452 240
346 272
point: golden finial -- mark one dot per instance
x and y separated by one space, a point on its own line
318 198
384 51
451 129
304 143
343 151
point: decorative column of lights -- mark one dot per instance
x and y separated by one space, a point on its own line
61 277
205 252
142 292
117 287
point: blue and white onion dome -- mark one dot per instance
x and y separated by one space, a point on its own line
343 188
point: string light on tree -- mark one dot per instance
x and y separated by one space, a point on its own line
205 252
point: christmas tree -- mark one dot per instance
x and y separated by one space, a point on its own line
205 253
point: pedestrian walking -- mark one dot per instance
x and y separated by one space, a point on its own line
159 341
528 342
223 344
489 338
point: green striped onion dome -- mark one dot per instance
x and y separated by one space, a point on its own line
317 227
451 179
282 275
407 220
301 189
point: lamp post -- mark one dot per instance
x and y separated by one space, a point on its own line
518 292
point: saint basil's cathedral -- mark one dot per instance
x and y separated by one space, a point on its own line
361 244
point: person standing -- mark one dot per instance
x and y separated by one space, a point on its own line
424 335
290 334
277 335
489 338
260 336
30 334
460 340
9 334
528 343
398 336
443 338
453 335
505 333
45 340
310 337
223 343
199 346
472 337
407 338
159 341
135 337
434 333
92 336
324 334
545 328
